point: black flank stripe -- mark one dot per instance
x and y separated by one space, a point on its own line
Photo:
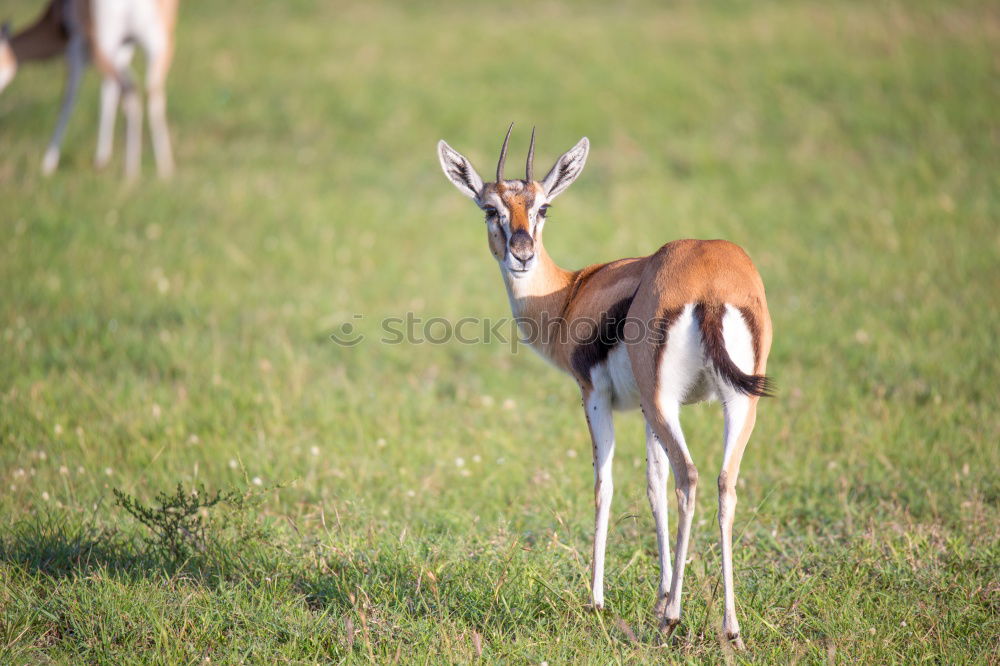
608 333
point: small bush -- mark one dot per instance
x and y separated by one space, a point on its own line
182 523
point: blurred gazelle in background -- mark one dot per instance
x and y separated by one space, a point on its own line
105 31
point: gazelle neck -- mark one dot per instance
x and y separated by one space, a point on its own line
539 298
545 285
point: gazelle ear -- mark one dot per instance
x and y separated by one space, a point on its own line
459 170
566 169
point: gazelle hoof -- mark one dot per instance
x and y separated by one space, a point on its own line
667 626
735 641
660 609
50 161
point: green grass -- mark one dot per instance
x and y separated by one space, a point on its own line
179 332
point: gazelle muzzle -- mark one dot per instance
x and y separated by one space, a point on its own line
521 246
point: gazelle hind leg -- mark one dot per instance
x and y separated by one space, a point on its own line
110 96
657 473
664 418
132 106
740 412
602 432
156 100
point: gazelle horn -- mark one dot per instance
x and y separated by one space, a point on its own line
529 166
503 154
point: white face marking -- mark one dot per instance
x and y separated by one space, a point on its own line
535 217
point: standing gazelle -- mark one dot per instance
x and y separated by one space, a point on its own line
684 324
106 31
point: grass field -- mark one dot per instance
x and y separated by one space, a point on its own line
428 503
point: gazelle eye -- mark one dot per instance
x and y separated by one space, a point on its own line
490 211
544 210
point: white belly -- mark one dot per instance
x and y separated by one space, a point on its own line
615 377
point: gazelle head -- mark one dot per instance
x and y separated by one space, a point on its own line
515 209
8 61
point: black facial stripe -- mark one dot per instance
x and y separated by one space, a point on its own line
540 217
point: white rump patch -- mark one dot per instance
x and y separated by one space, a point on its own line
738 339
682 377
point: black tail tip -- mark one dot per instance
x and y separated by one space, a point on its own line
758 385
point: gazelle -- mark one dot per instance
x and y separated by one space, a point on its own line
106 31
684 324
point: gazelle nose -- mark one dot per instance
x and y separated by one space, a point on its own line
521 245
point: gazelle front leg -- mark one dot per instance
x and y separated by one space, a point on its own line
740 415
657 473
597 404
76 58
